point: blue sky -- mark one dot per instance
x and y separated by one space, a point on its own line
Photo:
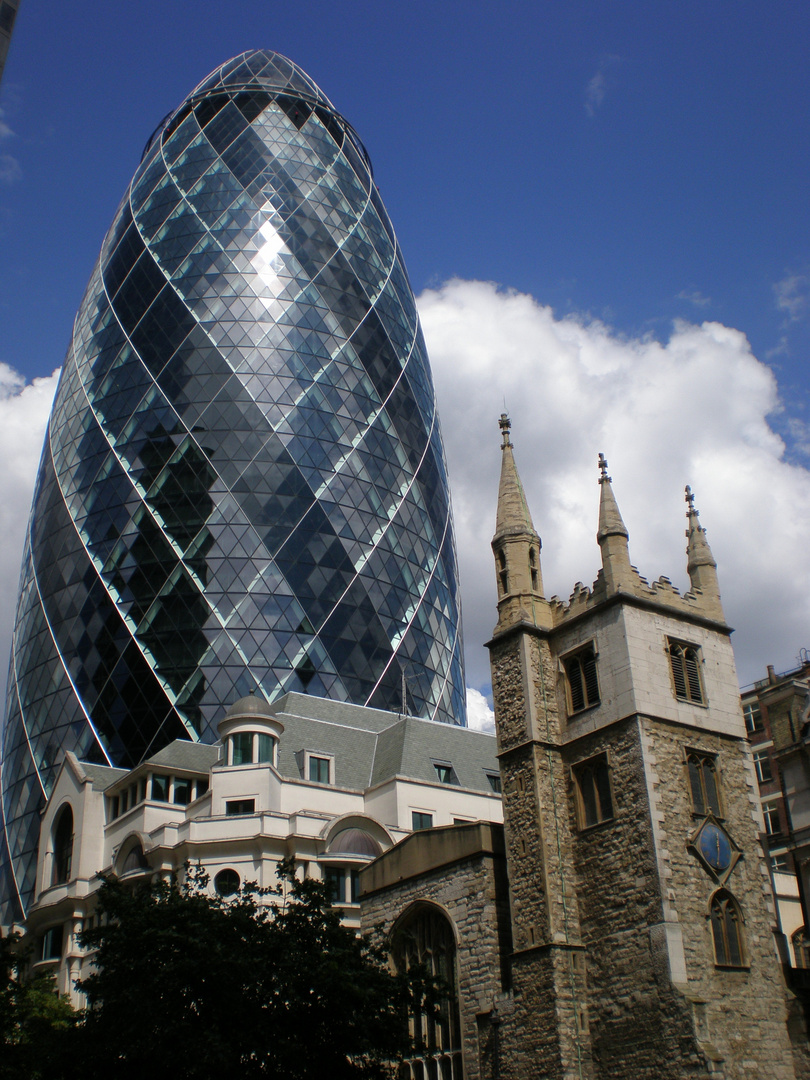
631 167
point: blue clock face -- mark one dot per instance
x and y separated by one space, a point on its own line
715 847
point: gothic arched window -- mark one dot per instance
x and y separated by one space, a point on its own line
425 937
726 922
62 847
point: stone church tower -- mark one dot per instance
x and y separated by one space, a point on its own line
642 925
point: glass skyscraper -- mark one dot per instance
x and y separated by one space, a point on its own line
243 482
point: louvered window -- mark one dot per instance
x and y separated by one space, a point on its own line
684 661
583 684
593 795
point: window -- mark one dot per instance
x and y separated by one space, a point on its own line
51 947
182 790
242 748
753 717
335 878
770 811
533 568
265 748
160 788
685 662
727 930
63 847
580 674
762 763
240 806
593 795
801 948
420 820
503 575
319 769
445 773
135 860
227 882
425 940
494 779
781 863
703 782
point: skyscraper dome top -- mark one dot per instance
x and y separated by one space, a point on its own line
264 75
261 68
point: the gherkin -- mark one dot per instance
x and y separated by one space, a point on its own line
243 482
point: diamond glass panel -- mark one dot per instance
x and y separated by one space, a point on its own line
243 481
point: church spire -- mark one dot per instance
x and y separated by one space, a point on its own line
513 512
700 564
516 546
612 535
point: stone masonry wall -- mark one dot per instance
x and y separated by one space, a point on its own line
473 894
643 892
758 1045
640 1027
549 1036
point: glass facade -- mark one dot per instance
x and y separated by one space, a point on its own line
243 483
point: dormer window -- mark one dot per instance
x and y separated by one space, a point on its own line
319 768
445 773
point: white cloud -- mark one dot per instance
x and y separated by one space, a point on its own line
792 296
479 714
597 86
24 410
595 93
694 296
10 170
691 410
5 130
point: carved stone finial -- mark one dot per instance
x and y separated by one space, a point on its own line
505 425
689 497
603 470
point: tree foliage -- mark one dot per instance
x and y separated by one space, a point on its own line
34 1022
189 985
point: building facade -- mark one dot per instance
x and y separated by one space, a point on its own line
777 717
243 482
330 785
631 931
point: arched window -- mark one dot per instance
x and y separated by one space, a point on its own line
425 937
703 782
62 847
801 948
727 930
135 860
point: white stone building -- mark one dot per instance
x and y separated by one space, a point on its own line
329 784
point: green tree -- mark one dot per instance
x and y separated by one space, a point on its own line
34 1022
191 986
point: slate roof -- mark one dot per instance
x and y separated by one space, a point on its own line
369 746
